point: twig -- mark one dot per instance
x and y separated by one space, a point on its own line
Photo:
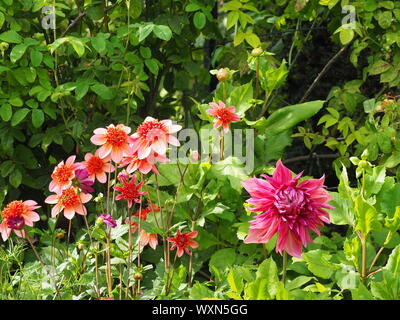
83 14
322 73
314 156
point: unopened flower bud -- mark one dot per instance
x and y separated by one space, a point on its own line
138 276
81 246
223 74
256 52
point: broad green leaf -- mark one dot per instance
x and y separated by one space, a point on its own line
269 271
346 35
36 58
144 31
199 20
232 19
342 214
6 112
393 224
17 52
99 42
378 67
366 215
162 32
287 117
235 281
6 168
18 116
15 178
11 37
318 262
37 118
103 91
240 98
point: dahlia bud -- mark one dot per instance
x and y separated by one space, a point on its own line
81 246
138 276
60 234
256 52
223 74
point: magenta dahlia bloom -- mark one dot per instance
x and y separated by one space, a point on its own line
83 180
107 219
288 208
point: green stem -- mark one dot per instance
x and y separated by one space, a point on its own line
284 267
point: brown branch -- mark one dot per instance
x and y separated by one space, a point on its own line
313 156
324 70
83 14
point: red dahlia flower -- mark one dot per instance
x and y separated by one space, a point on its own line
130 190
223 115
16 215
288 208
183 241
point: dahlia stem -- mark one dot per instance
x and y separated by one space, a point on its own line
168 284
69 234
191 259
129 251
224 88
364 256
257 77
284 266
139 229
108 266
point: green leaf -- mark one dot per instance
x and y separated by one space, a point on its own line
18 116
268 270
99 42
2 19
318 262
252 39
378 67
11 37
6 168
15 178
367 216
342 214
346 35
393 224
199 20
235 281
36 58
145 52
287 117
385 19
17 52
162 32
6 112
78 45
240 98
144 31
37 118
103 91
152 65
232 19
222 259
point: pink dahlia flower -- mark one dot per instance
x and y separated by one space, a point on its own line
113 141
154 135
16 215
70 201
97 167
63 175
145 165
224 115
288 208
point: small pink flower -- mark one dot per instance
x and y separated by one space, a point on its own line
83 181
154 135
150 239
63 175
223 115
288 208
70 201
145 165
97 167
130 190
16 215
107 219
113 141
